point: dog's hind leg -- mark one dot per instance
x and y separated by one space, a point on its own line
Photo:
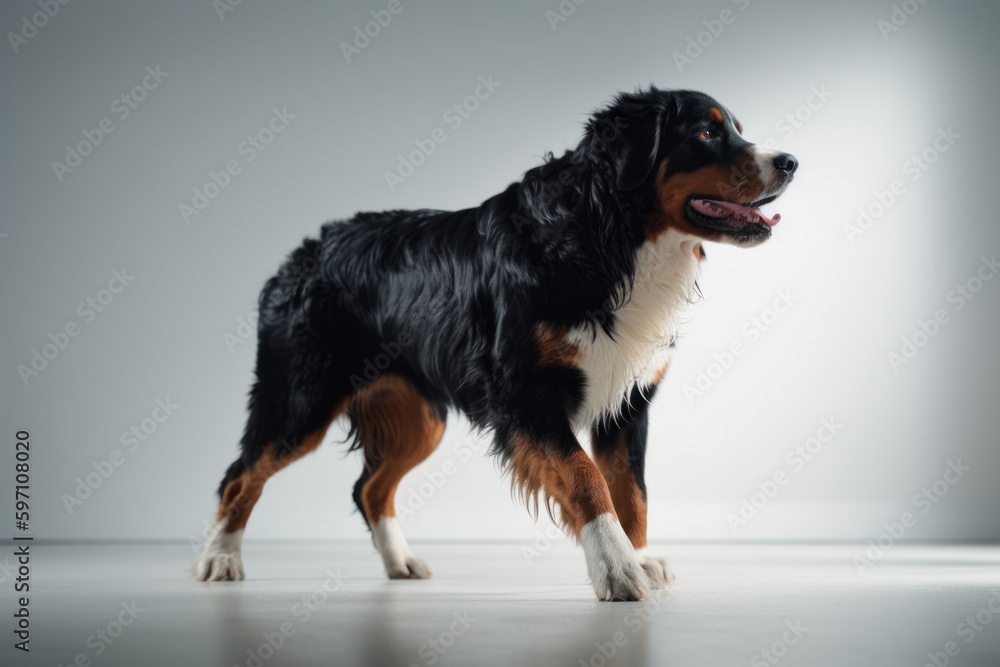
291 407
397 428
221 557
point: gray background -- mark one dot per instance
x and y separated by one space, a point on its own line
164 336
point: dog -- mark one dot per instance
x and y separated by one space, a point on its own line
544 313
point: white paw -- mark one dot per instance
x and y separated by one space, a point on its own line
411 568
219 567
220 559
620 581
399 561
657 569
615 571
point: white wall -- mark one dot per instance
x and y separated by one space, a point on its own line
825 358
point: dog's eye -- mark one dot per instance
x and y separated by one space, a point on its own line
710 133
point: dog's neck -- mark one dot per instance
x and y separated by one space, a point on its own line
666 270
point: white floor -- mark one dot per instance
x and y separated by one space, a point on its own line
488 605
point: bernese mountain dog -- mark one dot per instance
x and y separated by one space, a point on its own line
544 315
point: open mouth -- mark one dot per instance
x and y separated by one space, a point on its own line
727 216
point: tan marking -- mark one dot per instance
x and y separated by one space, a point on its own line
242 493
571 484
625 492
715 115
739 182
398 429
739 127
698 252
553 348
660 373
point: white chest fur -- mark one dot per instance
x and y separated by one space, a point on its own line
665 274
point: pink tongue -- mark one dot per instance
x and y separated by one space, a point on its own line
718 209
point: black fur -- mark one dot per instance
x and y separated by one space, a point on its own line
634 424
449 300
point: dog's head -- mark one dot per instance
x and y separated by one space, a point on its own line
681 157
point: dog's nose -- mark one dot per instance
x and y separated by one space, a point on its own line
786 162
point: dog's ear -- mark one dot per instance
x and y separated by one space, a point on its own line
632 131
637 150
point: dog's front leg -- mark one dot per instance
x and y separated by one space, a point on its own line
620 453
556 467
